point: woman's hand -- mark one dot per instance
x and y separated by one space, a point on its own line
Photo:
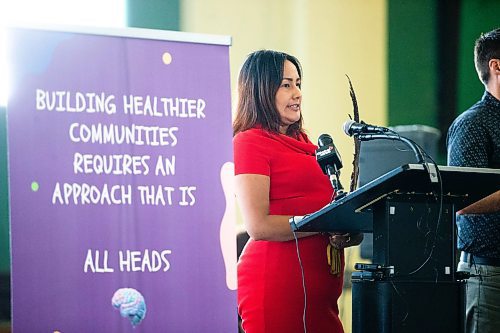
341 241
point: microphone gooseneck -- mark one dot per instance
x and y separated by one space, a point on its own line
367 132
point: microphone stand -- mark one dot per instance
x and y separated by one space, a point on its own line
334 174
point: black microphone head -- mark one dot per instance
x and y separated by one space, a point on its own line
347 127
325 140
327 154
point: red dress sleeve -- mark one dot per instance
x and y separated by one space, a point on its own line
250 155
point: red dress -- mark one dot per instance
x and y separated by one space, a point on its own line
270 291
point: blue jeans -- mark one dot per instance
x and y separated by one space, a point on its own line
483 298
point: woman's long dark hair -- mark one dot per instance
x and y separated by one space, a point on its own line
259 80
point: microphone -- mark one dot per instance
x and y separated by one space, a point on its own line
351 128
329 160
327 155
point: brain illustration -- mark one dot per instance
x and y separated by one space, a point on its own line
131 304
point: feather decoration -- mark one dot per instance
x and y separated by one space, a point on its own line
357 143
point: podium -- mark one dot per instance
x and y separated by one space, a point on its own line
412 285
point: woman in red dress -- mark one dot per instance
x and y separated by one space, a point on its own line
277 177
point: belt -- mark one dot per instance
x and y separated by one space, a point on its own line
478 260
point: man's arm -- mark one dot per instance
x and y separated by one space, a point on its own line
489 204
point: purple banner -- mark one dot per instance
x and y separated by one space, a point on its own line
119 164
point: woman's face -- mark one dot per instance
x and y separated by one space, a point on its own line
288 97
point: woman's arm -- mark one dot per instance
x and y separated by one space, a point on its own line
252 193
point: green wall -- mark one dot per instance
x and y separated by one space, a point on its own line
431 75
411 60
153 14
477 16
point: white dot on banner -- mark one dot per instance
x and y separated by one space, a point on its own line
167 58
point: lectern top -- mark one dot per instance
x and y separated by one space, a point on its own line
463 184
